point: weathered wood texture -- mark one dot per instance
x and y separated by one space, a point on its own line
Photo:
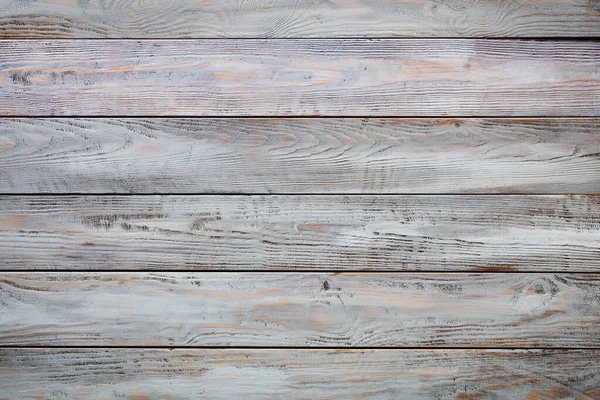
349 77
299 155
395 233
297 18
299 309
298 374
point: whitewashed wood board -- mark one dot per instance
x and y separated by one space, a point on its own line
369 233
190 374
301 77
297 18
182 309
299 155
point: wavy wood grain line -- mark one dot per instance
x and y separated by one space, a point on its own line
299 309
348 77
299 155
297 18
395 233
298 374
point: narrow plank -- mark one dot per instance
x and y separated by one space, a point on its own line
298 374
394 233
348 77
297 19
299 155
300 309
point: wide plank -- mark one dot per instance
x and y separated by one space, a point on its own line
297 19
337 77
298 374
182 309
299 155
376 233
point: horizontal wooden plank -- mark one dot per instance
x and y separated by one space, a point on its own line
349 77
298 374
333 18
299 155
394 233
300 309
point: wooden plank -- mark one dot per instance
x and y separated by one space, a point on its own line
299 155
297 19
298 374
394 233
182 309
347 77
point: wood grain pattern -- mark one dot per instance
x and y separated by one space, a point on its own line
297 18
299 155
300 309
298 374
349 77
394 233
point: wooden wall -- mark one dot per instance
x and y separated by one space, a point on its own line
391 199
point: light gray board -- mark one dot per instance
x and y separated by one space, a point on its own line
299 155
300 309
396 233
298 18
298 374
311 77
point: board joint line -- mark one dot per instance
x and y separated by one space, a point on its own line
295 271
281 194
517 348
298 116
586 38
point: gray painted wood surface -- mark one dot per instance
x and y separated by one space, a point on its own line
297 18
299 155
300 309
298 374
395 233
220 294
350 77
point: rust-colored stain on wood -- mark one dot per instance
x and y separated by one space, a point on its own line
341 199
